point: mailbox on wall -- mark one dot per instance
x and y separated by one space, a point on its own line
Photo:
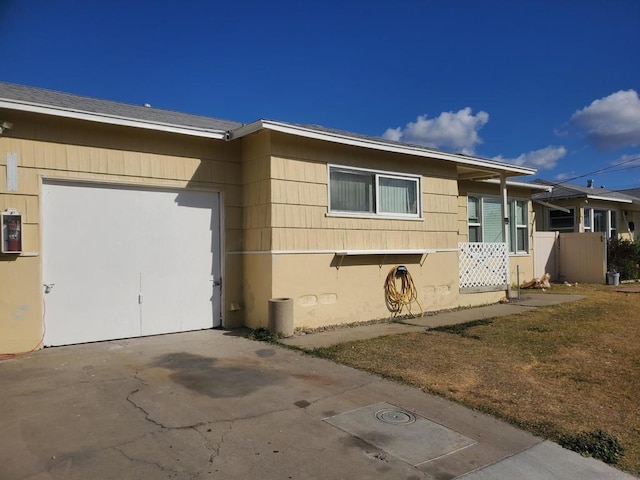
11 233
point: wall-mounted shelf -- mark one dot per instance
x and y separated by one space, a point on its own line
383 254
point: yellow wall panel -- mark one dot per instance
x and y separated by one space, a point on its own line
256 145
58 148
234 240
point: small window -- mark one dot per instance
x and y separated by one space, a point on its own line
473 209
352 191
587 219
485 222
560 221
521 227
604 221
375 193
613 224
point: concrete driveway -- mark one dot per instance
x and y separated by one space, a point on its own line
211 404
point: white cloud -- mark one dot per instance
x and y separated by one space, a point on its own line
611 122
544 158
564 176
457 131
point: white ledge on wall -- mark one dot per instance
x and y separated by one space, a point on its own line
384 253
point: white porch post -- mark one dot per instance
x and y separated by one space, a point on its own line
505 220
505 215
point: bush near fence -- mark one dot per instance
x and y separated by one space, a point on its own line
623 257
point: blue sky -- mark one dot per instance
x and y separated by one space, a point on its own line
549 84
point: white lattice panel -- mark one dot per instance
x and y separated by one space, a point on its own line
483 264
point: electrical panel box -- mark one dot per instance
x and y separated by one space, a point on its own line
11 232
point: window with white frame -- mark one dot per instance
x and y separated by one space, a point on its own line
561 221
485 221
355 191
601 220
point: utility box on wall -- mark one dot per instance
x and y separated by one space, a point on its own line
11 232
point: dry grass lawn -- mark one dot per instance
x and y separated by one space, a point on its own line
555 371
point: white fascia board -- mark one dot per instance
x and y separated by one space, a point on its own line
552 206
110 119
512 183
609 199
377 145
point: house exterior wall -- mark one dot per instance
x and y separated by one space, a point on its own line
255 249
279 240
521 264
75 150
580 204
330 289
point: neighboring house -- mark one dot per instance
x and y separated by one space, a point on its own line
575 208
138 221
635 216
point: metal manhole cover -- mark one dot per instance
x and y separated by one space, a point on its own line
395 417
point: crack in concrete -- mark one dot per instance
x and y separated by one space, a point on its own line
213 448
155 464
146 414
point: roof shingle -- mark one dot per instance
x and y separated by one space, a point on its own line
76 103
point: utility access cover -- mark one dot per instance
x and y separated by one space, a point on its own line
400 433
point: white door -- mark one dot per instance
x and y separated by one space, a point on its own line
125 262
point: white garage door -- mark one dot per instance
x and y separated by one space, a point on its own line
127 262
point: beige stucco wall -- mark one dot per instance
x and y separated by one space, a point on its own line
70 149
326 292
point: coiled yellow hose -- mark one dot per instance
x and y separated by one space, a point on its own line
398 300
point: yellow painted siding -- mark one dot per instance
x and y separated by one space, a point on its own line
257 232
331 290
274 189
299 209
68 149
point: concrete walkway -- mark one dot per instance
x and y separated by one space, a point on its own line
214 405
527 302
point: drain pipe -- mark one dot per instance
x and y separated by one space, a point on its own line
518 279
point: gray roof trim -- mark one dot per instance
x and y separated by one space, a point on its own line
48 102
570 191
347 138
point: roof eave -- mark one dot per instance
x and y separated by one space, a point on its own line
306 132
110 119
531 186
609 199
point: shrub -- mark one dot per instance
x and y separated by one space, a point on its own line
623 256
597 444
